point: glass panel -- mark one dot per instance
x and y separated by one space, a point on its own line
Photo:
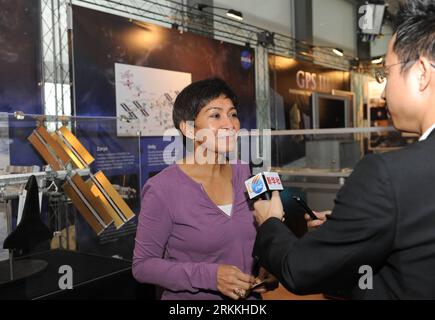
317 162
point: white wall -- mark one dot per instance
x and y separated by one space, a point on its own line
379 46
272 15
334 24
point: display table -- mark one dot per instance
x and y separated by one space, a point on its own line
22 269
282 293
94 277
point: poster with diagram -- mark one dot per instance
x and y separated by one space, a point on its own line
145 98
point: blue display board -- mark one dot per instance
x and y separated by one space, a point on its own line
20 65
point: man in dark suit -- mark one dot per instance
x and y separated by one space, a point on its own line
379 241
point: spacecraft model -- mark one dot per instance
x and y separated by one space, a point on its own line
96 199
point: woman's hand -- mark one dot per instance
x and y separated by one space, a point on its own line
232 282
315 224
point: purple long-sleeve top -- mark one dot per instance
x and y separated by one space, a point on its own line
183 236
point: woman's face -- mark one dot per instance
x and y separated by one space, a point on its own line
217 125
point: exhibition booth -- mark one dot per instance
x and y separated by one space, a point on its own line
94 125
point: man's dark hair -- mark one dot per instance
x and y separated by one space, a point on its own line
414 26
196 96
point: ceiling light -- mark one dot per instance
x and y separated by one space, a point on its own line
338 52
235 14
378 60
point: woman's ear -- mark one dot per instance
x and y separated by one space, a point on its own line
188 129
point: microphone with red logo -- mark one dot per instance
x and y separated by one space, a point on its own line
261 185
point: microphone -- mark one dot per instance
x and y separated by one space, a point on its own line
261 185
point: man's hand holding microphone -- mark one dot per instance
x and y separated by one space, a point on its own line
264 188
266 209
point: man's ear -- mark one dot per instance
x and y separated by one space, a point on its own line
188 129
425 73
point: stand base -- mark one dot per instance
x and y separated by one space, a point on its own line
22 269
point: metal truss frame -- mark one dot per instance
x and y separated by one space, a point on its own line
55 55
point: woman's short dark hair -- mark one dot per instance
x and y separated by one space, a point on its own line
196 96
414 27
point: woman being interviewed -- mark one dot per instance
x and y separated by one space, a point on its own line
196 232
